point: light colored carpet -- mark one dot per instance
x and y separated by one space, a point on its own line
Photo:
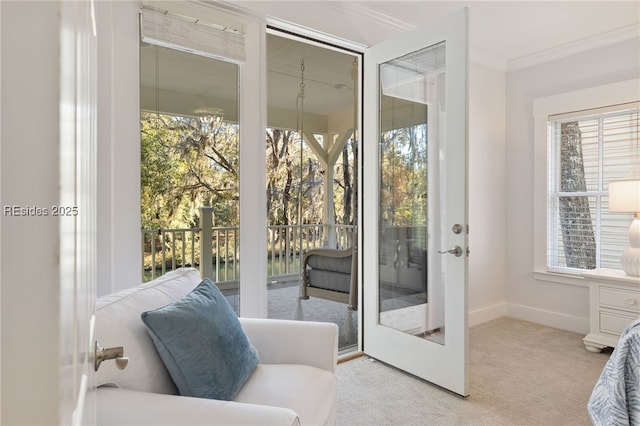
520 374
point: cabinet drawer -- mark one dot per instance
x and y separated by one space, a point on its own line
614 323
619 298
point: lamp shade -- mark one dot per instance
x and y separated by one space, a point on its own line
624 196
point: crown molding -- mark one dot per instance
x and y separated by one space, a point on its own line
361 10
599 40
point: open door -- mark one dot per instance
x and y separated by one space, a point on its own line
415 202
77 211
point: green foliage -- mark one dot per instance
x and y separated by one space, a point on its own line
186 163
190 162
403 177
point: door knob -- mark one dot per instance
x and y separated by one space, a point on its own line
115 353
457 250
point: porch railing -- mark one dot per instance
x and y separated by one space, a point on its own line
164 250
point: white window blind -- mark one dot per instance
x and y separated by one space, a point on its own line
587 150
192 35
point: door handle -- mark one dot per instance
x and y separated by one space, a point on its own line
103 354
457 251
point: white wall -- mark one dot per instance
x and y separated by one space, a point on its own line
119 241
29 156
487 209
559 305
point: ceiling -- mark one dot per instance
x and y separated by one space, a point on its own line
500 32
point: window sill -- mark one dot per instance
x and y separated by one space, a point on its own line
566 278
611 275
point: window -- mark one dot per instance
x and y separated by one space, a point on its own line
583 140
587 150
190 146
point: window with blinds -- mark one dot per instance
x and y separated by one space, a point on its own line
587 150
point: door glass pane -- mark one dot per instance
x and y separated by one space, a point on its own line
189 165
412 105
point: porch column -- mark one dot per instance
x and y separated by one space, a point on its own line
206 244
329 210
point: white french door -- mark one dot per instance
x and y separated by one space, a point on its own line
415 202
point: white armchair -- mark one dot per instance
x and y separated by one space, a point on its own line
294 383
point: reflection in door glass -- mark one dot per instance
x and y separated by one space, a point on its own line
411 107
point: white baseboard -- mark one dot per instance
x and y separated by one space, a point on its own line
548 318
488 313
528 313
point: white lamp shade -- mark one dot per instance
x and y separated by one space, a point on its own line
624 196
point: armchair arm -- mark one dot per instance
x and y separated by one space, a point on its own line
294 342
128 407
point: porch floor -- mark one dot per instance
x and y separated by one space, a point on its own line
283 303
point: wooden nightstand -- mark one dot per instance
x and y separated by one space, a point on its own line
614 303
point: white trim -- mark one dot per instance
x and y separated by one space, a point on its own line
566 278
612 275
549 318
312 34
593 97
487 313
604 39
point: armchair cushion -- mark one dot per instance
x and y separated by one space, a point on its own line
118 324
202 344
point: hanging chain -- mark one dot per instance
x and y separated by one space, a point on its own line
300 125
300 106
302 78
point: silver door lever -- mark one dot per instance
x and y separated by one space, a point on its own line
457 250
116 353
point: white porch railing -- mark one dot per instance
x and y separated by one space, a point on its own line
164 250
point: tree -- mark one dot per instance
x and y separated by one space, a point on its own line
186 163
279 176
159 172
575 215
403 177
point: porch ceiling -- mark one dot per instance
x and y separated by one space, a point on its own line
181 83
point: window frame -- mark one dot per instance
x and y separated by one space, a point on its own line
591 98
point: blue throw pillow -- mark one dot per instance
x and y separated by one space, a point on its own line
202 344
